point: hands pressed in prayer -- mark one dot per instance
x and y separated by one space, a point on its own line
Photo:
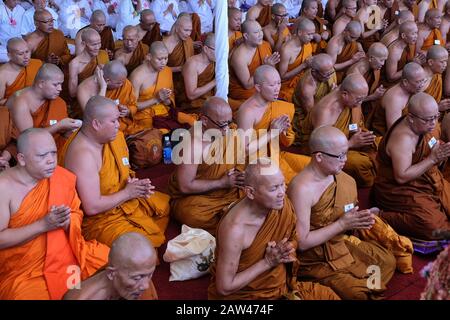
52 58
164 95
440 152
355 219
139 188
273 59
361 139
281 252
57 217
358 56
281 123
123 111
233 178
420 58
444 105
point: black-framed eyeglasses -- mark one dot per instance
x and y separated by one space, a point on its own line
281 15
220 125
340 157
426 120
210 47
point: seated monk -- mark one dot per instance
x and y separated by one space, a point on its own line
244 60
437 57
260 12
263 112
199 77
7 144
309 10
200 190
234 26
114 201
411 6
128 274
83 65
325 201
294 57
148 29
402 51
332 9
426 5
40 106
349 8
46 43
394 103
410 188
41 224
133 52
393 32
19 72
256 242
429 33
98 23
276 33
180 47
345 49
370 32
389 10
341 109
445 26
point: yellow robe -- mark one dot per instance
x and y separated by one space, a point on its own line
434 36
232 39
435 87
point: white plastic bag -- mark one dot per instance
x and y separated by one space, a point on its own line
190 254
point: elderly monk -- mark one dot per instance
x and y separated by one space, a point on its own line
98 23
260 12
256 242
133 52
426 5
40 223
393 32
40 106
402 51
395 100
437 57
199 189
199 77
429 33
410 188
234 26
263 112
294 57
114 201
8 149
309 10
244 60
84 64
341 109
148 29
276 33
46 43
19 72
345 49
370 32
325 202
180 47
349 8
128 274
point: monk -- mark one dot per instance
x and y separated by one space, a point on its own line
148 29
256 242
19 72
180 47
276 33
389 10
260 12
244 60
437 57
46 43
445 26
234 26
333 8
345 49
446 84
410 188
429 33
83 65
349 8
128 274
309 10
410 5
426 5
395 100
41 223
199 77
199 189
402 51
133 52
263 112
325 202
98 23
294 57
114 201
393 31
341 109
370 33
40 106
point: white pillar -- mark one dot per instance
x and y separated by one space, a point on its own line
221 52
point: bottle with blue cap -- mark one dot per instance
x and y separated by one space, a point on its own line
167 150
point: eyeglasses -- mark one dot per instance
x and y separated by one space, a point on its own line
340 157
209 47
281 15
426 120
220 125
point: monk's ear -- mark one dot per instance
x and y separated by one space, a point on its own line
249 192
96 124
430 62
258 87
110 272
21 159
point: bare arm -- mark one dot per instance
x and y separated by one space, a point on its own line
190 77
419 42
79 47
391 66
306 94
242 72
392 110
284 64
73 78
23 120
186 174
2 91
268 37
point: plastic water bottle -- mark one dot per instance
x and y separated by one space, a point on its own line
167 150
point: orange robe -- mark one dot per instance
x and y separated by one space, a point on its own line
177 58
237 94
232 39
432 39
418 207
275 35
55 43
137 57
6 132
107 38
152 35
148 216
341 262
288 86
39 268
25 78
264 16
279 282
101 59
373 78
207 75
196 33
346 54
435 87
320 28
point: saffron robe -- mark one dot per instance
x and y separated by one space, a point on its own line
25 78
55 43
177 58
152 35
137 57
194 106
348 51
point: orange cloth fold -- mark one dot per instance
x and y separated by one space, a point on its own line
6 132
196 34
264 16
101 59
435 87
152 35
203 79
25 78
435 37
348 51
55 43
137 57
232 39
177 58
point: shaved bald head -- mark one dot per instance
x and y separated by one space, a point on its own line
131 249
305 25
146 12
249 26
278 8
130 31
15 43
322 61
263 73
48 71
90 34
348 3
256 173
407 27
405 15
354 27
378 49
41 14
217 108
114 70
183 18
437 52
325 138
98 16
432 13
410 70
158 46
437 58
232 11
422 104
354 83
27 138
97 108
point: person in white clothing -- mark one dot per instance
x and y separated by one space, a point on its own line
204 9
110 8
74 15
28 25
10 24
129 14
166 13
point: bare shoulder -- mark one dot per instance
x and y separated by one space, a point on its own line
232 228
6 184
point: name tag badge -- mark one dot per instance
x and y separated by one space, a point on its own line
348 207
437 41
324 27
432 142
396 12
353 127
52 122
125 161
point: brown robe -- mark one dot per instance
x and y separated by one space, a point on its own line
194 106
196 34
346 54
432 39
435 87
152 35
55 43
107 38
25 78
264 16
137 57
